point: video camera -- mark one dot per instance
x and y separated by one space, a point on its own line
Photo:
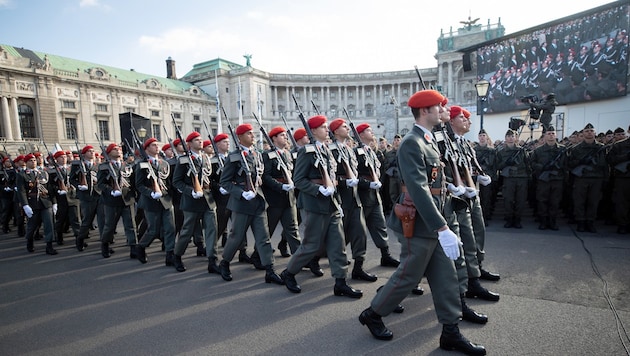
529 99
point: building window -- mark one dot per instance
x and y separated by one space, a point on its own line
155 113
156 132
101 107
71 129
27 121
350 95
103 130
197 129
177 115
333 95
196 118
386 92
213 119
67 104
315 95
368 94
297 95
405 92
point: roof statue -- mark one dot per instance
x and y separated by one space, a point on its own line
248 58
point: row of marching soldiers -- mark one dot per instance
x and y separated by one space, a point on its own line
585 178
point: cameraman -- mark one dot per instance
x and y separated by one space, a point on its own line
545 108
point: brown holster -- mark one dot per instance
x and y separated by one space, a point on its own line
406 212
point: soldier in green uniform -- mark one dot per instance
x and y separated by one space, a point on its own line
487 158
428 246
548 162
619 160
587 163
513 163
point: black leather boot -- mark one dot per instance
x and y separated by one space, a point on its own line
475 290
255 258
170 258
471 315
141 253
30 245
590 227
509 222
289 281
105 251
451 339
387 260
544 223
343 289
488 276
517 223
581 226
50 249
374 322
315 268
242 257
201 251
179 265
212 266
271 276
359 273
553 224
133 254
282 247
224 269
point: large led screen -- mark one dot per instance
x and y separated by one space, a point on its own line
579 58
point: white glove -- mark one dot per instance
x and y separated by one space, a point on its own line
455 190
197 195
156 195
352 182
450 243
55 207
484 179
62 192
116 193
287 187
8 189
470 192
82 187
223 191
324 191
375 185
15 189
28 211
330 190
248 195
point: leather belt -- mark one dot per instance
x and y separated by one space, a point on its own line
434 191
317 181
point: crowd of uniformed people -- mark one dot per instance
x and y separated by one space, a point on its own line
330 185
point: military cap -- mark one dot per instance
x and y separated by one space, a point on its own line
86 148
510 132
299 133
166 147
192 136
455 111
588 126
206 143
482 131
242 128
362 127
220 137
316 121
110 147
425 99
335 124
609 132
619 130
57 154
28 157
277 130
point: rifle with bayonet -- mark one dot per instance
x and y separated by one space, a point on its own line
82 169
170 142
289 133
369 162
192 169
214 147
249 184
112 172
60 178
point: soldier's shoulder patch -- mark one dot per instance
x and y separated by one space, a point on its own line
103 166
360 151
183 160
332 146
144 165
309 148
272 155
235 157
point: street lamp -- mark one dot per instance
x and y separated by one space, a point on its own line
142 133
482 93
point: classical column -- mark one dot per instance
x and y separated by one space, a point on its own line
450 92
363 99
14 117
275 100
6 120
288 102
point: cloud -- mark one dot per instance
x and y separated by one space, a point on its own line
5 3
92 3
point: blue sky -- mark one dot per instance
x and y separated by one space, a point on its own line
325 36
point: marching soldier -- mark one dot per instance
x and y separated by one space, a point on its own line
18 213
547 163
7 182
198 207
83 175
428 245
68 204
114 180
354 227
513 163
587 162
279 192
369 173
155 200
314 176
247 203
35 192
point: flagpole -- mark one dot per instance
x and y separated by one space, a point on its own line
219 124
240 104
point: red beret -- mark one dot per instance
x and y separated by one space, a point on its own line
177 142
242 128
166 147
335 124
445 101
6 159
206 143
316 121
86 148
18 158
110 147
149 141
192 136
220 137
28 157
362 127
425 99
466 113
277 130
455 111
37 154
57 154
69 153
299 133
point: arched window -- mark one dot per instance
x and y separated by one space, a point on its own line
27 121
